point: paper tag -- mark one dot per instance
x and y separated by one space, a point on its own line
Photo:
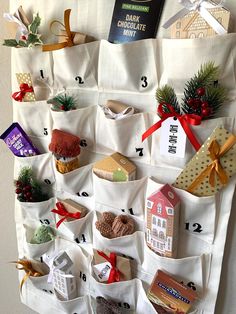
173 138
102 271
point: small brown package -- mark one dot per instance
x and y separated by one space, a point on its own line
73 207
115 168
122 265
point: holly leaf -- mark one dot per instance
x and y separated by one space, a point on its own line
33 40
22 43
33 27
10 43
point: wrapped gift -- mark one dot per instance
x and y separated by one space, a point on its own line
115 168
110 267
162 221
26 92
117 110
170 295
212 166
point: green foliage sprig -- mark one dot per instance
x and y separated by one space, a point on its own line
63 102
203 95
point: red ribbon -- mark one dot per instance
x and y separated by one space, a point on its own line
114 273
185 121
61 210
24 88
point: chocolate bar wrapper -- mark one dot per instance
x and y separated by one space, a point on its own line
201 161
18 141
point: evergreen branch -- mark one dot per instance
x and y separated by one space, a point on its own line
166 95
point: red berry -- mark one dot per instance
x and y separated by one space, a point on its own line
18 191
206 112
28 188
190 102
204 105
18 183
28 194
23 37
62 107
201 91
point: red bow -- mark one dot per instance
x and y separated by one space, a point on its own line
185 121
24 88
114 273
61 210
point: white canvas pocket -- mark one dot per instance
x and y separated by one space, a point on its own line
38 211
130 245
80 122
77 66
80 305
78 230
42 168
34 117
129 295
190 270
128 197
38 64
41 283
201 132
128 67
176 71
123 136
78 181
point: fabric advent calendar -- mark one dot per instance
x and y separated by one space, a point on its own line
93 73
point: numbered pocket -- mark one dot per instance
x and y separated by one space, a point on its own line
78 230
131 66
128 295
202 132
38 64
42 167
77 66
34 117
201 51
79 305
39 211
78 181
130 245
128 197
123 136
189 270
80 122
35 251
41 283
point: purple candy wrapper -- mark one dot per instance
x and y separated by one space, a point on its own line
18 141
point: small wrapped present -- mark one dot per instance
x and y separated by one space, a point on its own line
212 166
110 267
26 92
116 110
170 295
67 38
115 168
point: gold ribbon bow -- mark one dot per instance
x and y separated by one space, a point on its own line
29 270
214 168
69 34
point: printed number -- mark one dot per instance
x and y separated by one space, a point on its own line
44 221
48 291
197 226
124 305
79 79
130 211
139 151
47 181
45 131
41 74
144 80
190 285
82 276
85 194
83 143
80 239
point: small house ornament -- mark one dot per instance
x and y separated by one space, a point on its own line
162 221
63 280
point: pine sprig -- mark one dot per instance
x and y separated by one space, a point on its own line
63 102
166 95
28 189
